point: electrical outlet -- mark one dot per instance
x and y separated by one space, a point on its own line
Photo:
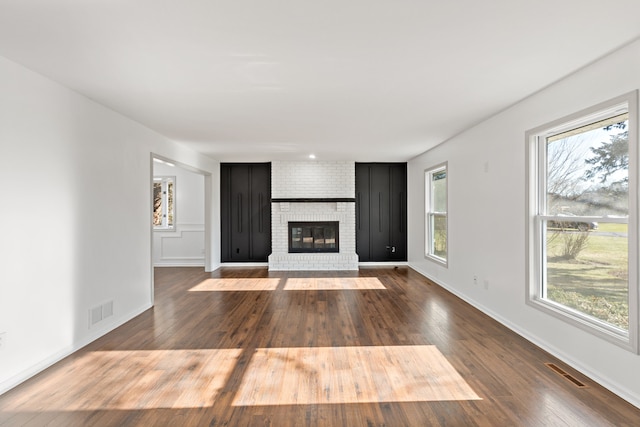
3 340
486 284
475 279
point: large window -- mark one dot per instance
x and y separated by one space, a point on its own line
436 213
164 188
582 213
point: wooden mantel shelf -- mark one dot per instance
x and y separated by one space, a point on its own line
314 200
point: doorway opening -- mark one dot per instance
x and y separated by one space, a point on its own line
180 219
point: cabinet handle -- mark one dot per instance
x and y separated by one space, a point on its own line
260 212
239 213
380 212
402 215
359 214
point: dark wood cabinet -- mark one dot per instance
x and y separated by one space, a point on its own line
381 211
245 197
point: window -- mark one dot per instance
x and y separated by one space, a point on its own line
436 213
164 188
582 212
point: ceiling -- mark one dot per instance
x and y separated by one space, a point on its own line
365 80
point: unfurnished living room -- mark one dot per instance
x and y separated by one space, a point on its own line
336 213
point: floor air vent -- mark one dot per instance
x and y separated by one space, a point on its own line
566 376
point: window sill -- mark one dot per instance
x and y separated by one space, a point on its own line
586 323
440 261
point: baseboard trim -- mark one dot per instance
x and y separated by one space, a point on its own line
244 264
21 377
383 264
179 264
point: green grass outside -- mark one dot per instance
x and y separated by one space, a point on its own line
596 281
613 228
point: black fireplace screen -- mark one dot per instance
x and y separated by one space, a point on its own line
313 237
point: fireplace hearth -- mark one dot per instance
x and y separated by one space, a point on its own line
314 237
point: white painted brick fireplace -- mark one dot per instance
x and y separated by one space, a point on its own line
313 180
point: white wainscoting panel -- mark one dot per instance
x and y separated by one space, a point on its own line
180 248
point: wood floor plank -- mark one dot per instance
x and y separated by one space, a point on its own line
249 347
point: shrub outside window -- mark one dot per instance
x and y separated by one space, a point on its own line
582 220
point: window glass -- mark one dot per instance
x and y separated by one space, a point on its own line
588 272
588 169
163 202
439 189
587 174
157 204
170 201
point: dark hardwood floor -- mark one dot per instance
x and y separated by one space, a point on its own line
246 347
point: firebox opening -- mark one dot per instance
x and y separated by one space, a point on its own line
313 237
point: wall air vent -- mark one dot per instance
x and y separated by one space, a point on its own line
107 309
95 315
99 313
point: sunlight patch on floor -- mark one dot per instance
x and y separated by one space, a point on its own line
332 283
128 380
257 284
339 375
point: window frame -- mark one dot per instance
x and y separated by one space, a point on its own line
164 179
429 214
536 216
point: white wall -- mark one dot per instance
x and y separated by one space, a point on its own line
184 245
76 212
487 218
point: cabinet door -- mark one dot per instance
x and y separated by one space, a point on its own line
381 211
234 192
260 211
379 203
245 192
398 212
362 211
